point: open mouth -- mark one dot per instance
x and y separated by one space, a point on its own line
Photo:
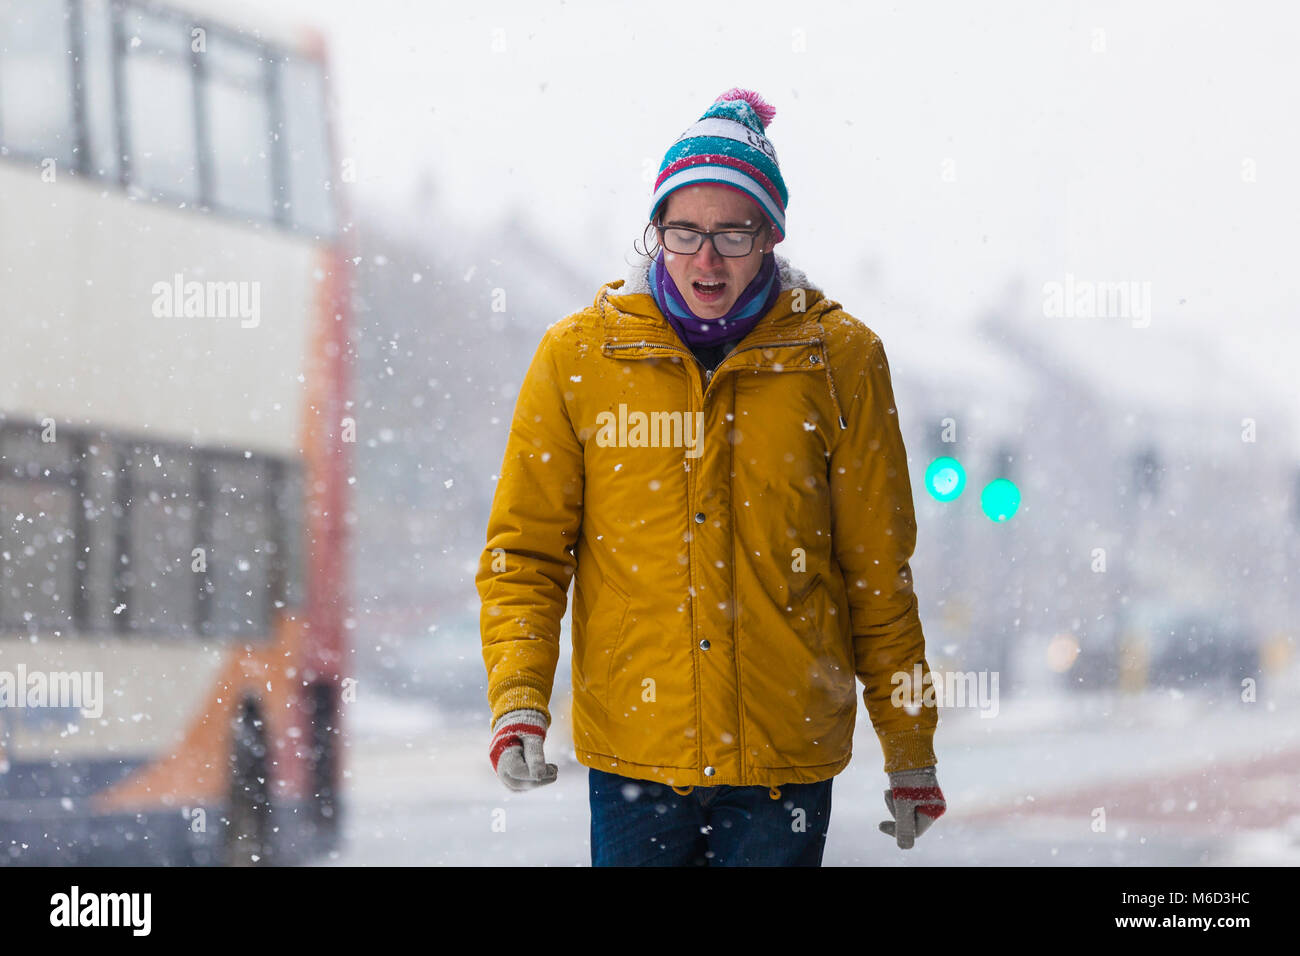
708 291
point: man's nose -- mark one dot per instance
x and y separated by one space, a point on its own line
708 256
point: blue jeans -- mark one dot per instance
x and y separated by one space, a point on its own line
642 823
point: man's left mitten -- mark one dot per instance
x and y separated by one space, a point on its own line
915 801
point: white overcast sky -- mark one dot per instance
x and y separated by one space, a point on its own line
1119 164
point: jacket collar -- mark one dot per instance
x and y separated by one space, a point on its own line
783 340
630 316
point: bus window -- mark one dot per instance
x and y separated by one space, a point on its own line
161 129
37 515
239 561
307 147
157 583
290 512
35 80
96 558
239 127
100 113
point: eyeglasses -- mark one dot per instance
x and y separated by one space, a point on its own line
685 241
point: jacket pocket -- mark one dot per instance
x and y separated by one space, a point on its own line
603 636
814 619
800 703
808 613
798 599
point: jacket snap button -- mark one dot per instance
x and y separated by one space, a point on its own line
709 771
704 644
815 359
699 517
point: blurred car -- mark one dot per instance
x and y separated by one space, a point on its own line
1163 643
1096 665
1200 648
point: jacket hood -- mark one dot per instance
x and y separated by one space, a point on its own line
637 281
633 291
630 318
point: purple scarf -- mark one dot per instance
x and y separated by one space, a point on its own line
750 306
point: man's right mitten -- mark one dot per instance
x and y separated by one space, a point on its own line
516 750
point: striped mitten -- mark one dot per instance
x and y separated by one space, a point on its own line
915 801
516 750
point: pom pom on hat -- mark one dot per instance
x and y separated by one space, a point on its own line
765 110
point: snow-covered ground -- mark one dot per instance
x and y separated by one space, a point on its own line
1183 780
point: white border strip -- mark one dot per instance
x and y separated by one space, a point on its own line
692 174
731 129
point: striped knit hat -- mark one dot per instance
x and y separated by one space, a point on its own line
728 147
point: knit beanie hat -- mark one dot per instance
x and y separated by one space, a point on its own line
728 147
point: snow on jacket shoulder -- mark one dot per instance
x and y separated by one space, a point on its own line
741 541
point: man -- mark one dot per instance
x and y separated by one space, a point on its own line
715 451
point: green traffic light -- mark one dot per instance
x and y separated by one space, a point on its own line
945 478
1000 499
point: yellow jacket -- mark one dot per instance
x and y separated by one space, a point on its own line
741 542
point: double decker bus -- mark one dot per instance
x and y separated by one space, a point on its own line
174 437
